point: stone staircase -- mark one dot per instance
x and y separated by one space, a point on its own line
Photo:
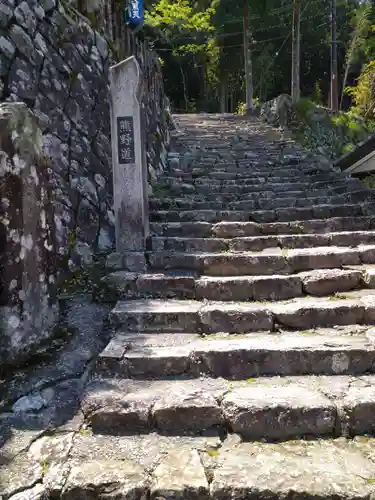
244 359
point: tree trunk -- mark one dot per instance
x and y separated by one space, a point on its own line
334 86
296 51
184 87
247 57
223 96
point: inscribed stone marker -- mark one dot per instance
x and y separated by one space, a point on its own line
128 159
125 137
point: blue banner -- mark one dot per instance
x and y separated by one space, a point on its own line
135 15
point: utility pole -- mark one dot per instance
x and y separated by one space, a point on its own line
334 86
296 35
247 57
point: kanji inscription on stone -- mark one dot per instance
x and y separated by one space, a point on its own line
125 139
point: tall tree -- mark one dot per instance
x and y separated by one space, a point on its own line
296 40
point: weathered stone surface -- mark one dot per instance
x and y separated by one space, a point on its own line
329 281
235 318
157 362
156 315
277 470
38 492
180 475
320 352
245 229
185 411
28 245
19 474
274 412
164 285
246 289
125 406
147 450
309 313
110 479
358 406
128 165
368 273
130 414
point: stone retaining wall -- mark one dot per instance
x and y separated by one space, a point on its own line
319 129
53 60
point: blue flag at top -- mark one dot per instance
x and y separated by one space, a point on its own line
135 13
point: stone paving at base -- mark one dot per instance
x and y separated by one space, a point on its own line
240 364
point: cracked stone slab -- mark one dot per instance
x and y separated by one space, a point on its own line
292 468
38 492
21 473
147 450
122 406
111 479
180 475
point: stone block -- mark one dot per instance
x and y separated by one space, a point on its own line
276 412
111 479
180 475
27 236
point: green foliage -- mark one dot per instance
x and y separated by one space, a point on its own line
201 44
317 96
304 107
241 106
363 93
369 181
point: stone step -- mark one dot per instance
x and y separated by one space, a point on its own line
193 316
345 469
320 282
265 408
267 262
266 191
223 173
259 243
281 214
185 188
255 178
355 195
346 351
208 467
245 229
260 203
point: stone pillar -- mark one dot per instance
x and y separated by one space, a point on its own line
28 305
129 162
